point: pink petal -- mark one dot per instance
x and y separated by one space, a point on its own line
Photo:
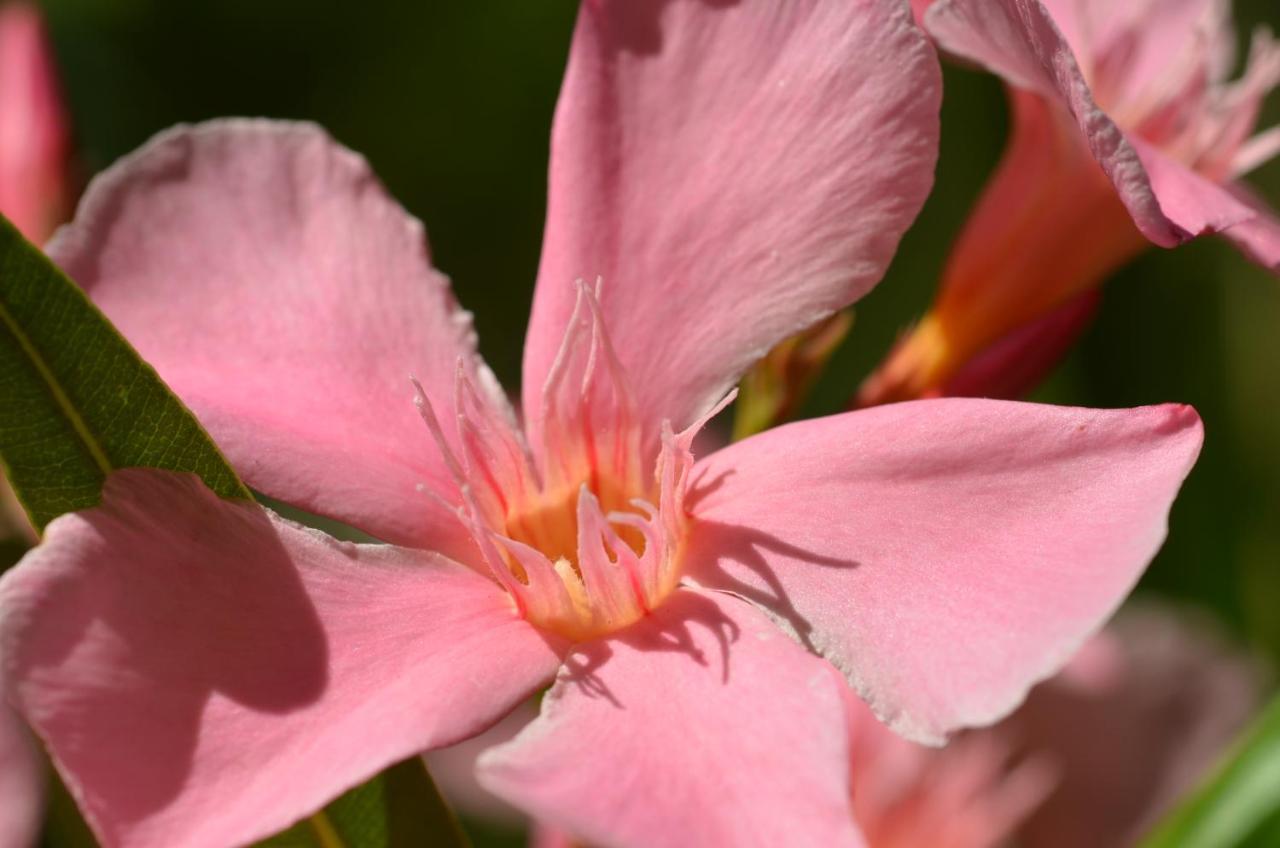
971 794
1018 40
1132 737
1258 237
1017 363
205 673
703 725
287 299
1194 203
454 770
1135 47
34 128
544 836
944 554
918 8
733 172
21 783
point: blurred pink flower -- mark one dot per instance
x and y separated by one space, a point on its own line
204 672
35 134
1125 130
21 782
1094 757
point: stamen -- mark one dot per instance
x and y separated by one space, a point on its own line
423 403
583 540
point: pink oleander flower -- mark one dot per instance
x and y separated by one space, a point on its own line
1125 131
205 673
1095 756
22 776
35 134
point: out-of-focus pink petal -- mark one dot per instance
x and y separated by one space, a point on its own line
1258 237
918 8
545 836
1018 40
21 783
702 724
944 554
454 769
1047 228
1129 743
287 299
1255 152
1193 202
971 794
205 673
34 131
1133 49
733 173
1017 363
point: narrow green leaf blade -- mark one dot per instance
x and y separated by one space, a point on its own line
1240 804
77 400
400 808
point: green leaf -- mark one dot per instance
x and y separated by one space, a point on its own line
64 827
401 808
78 400
1240 804
79 403
773 391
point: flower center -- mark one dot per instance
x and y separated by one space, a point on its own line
548 521
585 532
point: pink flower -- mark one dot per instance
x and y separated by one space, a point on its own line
1125 131
22 776
204 672
35 138
1094 757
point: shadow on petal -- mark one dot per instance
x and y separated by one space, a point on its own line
713 543
136 620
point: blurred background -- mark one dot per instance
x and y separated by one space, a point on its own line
452 102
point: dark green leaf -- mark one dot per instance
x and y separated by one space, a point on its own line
78 401
64 827
401 808
1240 804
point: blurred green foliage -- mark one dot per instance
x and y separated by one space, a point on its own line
452 103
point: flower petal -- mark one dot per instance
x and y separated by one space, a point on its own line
733 173
944 554
205 673
1194 203
703 724
1133 724
21 782
1019 41
35 133
1018 362
1258 237
287 299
